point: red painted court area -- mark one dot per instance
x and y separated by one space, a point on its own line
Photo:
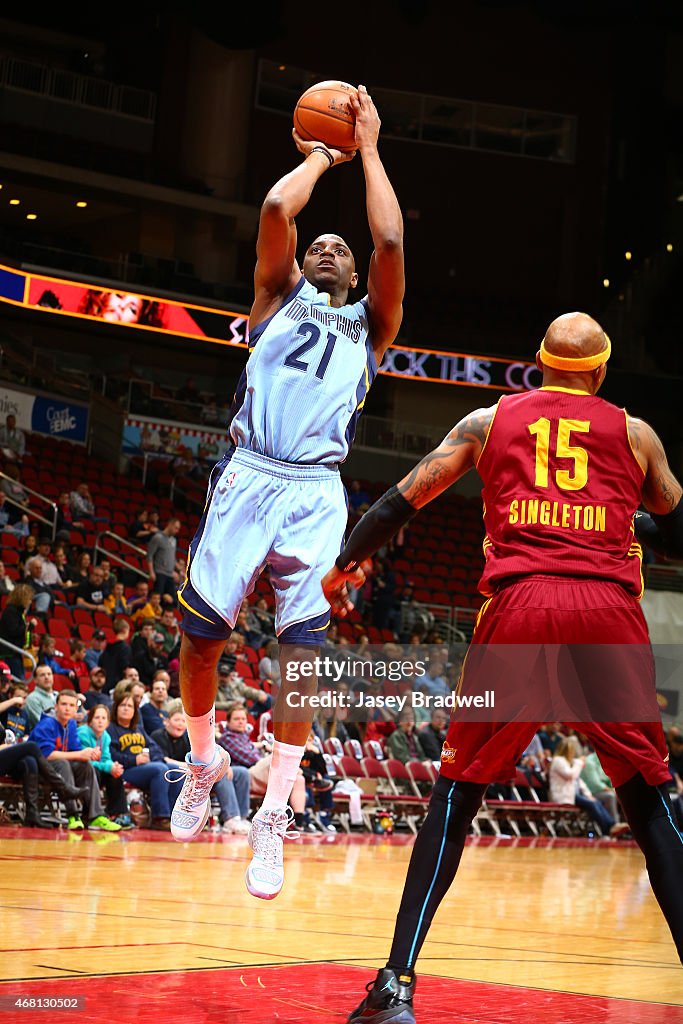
310 993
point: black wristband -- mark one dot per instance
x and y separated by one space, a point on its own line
378 525
325 152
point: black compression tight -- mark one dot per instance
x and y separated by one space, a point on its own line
433 864
650 814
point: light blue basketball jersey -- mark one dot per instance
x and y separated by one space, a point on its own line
305 383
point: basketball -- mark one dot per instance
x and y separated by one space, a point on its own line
323 114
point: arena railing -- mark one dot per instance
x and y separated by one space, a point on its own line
22 654
112 556
31 513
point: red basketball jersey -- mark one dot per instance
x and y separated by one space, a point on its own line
561 486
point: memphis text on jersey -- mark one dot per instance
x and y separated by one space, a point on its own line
329 316
532 511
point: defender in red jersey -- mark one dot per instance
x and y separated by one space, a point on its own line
564 473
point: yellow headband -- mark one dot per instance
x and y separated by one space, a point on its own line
575 363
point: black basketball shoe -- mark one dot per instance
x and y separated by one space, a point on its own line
389 998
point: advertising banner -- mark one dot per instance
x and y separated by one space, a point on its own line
45 414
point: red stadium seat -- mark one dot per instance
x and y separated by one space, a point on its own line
58 627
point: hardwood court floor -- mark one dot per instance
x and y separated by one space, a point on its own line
149 930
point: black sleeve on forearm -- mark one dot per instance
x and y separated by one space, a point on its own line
664 534
378 525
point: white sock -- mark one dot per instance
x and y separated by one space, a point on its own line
283 770
202 733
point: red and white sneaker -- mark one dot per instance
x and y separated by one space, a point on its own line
192 808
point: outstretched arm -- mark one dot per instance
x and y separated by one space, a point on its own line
386 278
277 271
458 452
663 531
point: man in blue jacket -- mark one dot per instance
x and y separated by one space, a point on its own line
60 743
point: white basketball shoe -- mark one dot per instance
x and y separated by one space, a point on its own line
266 873
193 806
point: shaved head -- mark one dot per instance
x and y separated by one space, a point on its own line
570 353
575 336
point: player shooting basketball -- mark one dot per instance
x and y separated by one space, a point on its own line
276 498
564 473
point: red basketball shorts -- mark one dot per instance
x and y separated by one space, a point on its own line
554 649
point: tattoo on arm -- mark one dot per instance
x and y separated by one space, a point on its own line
661 490
457 453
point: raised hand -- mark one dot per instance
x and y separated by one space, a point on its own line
367 119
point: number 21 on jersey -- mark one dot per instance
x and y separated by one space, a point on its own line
566 479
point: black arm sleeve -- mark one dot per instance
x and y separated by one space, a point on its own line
378 525
664 534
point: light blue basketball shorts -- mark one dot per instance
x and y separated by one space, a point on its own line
259 513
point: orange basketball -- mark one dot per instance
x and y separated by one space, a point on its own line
323 114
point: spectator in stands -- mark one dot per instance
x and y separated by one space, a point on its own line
95 694
269 665
266 622
550 735
404 743
82 505
91 593
49 574
94 733
110 577
359 500
75 666
42 594
96 648
65 519
14 627
66 572
81 569
232 652
566 787
171 631
142 758
411 617
532 762
6 584
13 712
42 698
153 711
232 688
139 606
232 791
115 603
15 492
145 526
117 656
12 440
256 757
161 559
25 762
48 653
251 636
149 657
9 521
432 682
599 784
29 549
59 742
155 605
318 784
433 734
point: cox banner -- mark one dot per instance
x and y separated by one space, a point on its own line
223 327
45 414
